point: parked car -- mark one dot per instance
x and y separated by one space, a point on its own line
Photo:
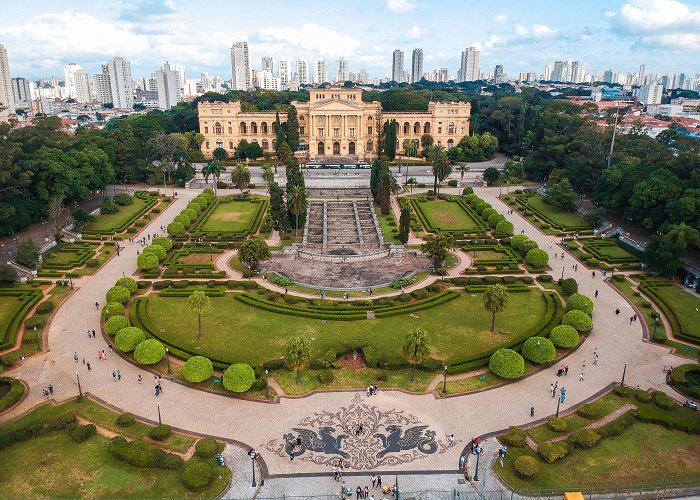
691 405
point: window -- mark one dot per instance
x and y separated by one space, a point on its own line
301 130
406 128
351 148
263 127
320 132
463 130
416 128
451 128
253 128
426 128
206 144
370 145
206 130
265 144
321 148
230 130
352 132
336 148
439 130
369 130
219 144
274 143
450 143
230 144
369 118
217 128
336 132
244 128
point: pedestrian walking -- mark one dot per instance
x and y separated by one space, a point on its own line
366 491
635 317
583 365
580 378
532 411
617 311
556 254
97 305
110 349
83 360
140 379
566 370
592 274
94 335
374 481
562 256
358 492
595 351
596 294
631 319
88 366
75 356
114 375
119 374
99 355
576 268
551 388
50 389
104 354
595 360
379 481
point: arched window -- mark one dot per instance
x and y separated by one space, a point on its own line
406 128
274 127
217 128
426 128
451 128
263 127
450 143
274 143
265 144
336 148
369 118
219 144
370 146
416 128
351 148
253 128
321 148
244 128
416 144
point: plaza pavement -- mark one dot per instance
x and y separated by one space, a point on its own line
256 423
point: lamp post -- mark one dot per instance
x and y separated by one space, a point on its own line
46 233
624 371
36 337
167 358
656 325
558 402
444 380
123 275
80 390
562 272
267 386
253 455
165 186
159 421
477 451
16 238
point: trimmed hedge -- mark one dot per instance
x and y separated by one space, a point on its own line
24 301
116 323
197 369
557 424
160 433
553 451
238 377
514 437
128 283
112 309
539 350
585 438
149 352
564 336
142 454
579 302
13 395
129 338
527 467
147 261
197 475
125 419
118 294
579 320
83 432
156 250
206 448
150 199
164 242
506 363
537 258
569 286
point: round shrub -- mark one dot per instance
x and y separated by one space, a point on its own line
663 401
480 206
516 240
557 424
147 261
112 309
579 320
238 377
37 321
505 227
564 336
515 437
195 205
527 467
156 250
467 191
45 307
176 229
83 432
208 192
189 213
160 433
206 448
472 198
128 338
539 350
203 200
116 323
125 419
197 369
488 213
494 219
526 246
182 219
506 363
622 391
579 302
128 283
149 352
537 258
642 396
585 438
118 294
197 475
164 242
569 286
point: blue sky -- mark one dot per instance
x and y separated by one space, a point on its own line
42 36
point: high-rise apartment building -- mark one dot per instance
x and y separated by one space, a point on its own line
268 81
364 76
547 75
267 64
168 87
342 70
302 72
498 74
562 71
7 99
21 91
578 72
320 71
240 66
651 94
469 69
81 87
609 76
103 86
640 75
397 66
284 73
69 79
417 65
120 82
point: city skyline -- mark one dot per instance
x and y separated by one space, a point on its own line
662 34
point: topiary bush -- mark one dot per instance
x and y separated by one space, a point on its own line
160 433
176 229
147 261
553 451
488 212
125 419
585 438
116 323
579 320
526 246
149 352
238 377
467 191
128 283
197 369
206 448
45 307
537 258
517 240
197 475
189 213
494 219
514 437
505 227
164 242
83 432
569 286
156 250
564 336
579 302
642 396
118 294
506 363
663 401
527 467
539 350
128 338
182 219
622 391
557 424
112 309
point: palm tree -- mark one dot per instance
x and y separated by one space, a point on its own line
212 169
495 301
296 203
416 348
462 169
412 182
442 165
240 176
268 175
199 303
297 354
407 146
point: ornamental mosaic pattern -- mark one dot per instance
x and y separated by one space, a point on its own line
363 436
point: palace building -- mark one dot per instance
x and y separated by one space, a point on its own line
334 126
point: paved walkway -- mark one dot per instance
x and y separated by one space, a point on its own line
260 424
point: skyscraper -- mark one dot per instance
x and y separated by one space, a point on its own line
469 69
364 76
267 64
240 66
81 83
302 72
7 100
168 85
608 76
547 75
577 72
651 94
118 72
397 66
342 70
21 91
284 73
69 78
640 76
103 86
561 71
417 65
498 74
320 71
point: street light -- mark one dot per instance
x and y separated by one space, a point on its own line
159 421
123 275
253 455
477 452
46 234
36 337
656 325
562 272
624 371
444 380
558 402
165 186
80 390
267 386
167 358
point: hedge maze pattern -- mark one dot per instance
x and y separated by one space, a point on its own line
25 300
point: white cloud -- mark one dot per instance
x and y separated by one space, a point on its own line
312 37
414 32
500 19
492 41
400 5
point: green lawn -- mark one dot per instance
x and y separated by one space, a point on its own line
232 217
386 228
7 305
686 306
556 214
234 331
111 221
447 216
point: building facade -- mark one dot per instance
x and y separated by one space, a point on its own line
469 70
168 87
7 98
342 70
240 66
397 66
417 65
334 123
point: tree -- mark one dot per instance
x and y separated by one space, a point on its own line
416 348
28 254
57 216
220 154
665 251
462 169
412 181
213 169
253 251
268 175
199 303
561 194
280 136
408 147
390 127
254 151
240 176
241 150
297 354
594 217
291 128
426 141
8 275
404 225
495 301
81 218
491 175
441 165
438 246
296 203
278 211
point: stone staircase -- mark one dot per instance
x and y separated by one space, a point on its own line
339 227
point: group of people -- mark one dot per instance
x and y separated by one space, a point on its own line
372 390
48 391
365 493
